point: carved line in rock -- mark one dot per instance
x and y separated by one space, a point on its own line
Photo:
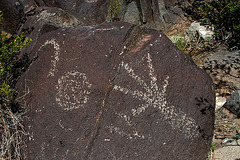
90 1
73 90
56 55
127 119
154 97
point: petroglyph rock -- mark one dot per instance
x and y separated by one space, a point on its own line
115 91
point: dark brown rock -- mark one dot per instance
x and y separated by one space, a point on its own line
233 103
146 7
12 13
158 14
41 20
115 91
88 12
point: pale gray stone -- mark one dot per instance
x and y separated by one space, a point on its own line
132 14
197 31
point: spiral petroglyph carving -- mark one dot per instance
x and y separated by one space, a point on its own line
73 90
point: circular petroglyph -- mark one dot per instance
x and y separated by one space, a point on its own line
73 90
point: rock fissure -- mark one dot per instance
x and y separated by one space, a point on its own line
129 42
97 125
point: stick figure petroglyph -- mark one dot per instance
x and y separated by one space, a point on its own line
154 96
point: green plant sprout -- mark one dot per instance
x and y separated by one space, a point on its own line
8 55
224 15
179 41
113 10
213 146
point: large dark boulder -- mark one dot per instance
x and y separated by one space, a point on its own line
114 91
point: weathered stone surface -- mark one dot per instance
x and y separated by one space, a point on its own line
162 14
41 20
88 12
158 14
12 13
132 14
115 91
197 32
228 152
233 103
224 68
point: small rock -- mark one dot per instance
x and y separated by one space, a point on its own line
227 140
197 31
132 14
220 101
230 152
233 103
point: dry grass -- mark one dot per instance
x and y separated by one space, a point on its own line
11 131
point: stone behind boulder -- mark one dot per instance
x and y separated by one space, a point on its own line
197 32
162 15
224 68
233 103
115 91
39 21
12 13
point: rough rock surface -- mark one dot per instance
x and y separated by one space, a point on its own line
132 14
224 68
158 14
41 20
115 91
12 12
229 152
197 32
88 12
233 103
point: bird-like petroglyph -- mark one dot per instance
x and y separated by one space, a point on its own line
154 96
73 90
